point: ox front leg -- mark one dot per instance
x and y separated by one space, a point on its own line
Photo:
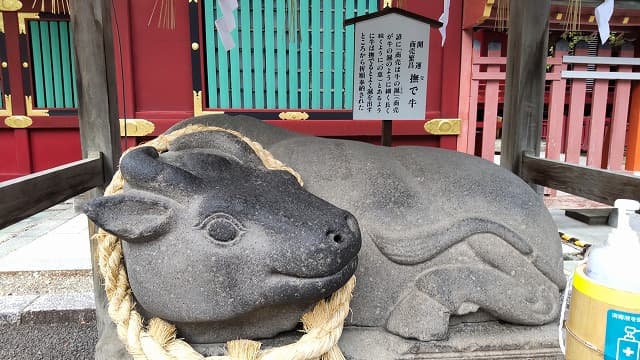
418 316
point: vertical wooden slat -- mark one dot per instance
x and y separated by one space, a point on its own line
56 64
294 88
491 106
65 49
36 53
619 115
281 50
73 69
236 69
556 105
576 109
316 61
258 55
269 56
473 100
246 47
373 5
349 43
598 114
210 53
338 54
466 64
45 40
304 55
327 60
362 7
223 65
633 151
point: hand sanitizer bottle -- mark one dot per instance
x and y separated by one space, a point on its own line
616 264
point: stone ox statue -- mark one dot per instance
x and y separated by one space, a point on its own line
224 248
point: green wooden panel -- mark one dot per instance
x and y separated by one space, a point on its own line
373 6
304 54
46 62
236 68
348 56
338 54
36 64
258 56
246 49
327 63
56 64
316 61
281 49
210 54
65 50
362 7
223 66
269 40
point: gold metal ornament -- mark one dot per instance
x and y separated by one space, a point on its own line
443 127
10 5
136 127
18 121
293 115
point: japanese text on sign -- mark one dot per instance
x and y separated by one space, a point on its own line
390 80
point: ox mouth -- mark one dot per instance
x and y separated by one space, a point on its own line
344 273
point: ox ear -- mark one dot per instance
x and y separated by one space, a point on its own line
131 218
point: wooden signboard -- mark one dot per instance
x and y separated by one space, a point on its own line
390 65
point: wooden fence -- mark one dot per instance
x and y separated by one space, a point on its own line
586 103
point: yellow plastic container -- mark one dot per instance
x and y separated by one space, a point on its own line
603 323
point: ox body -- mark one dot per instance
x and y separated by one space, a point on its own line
241 251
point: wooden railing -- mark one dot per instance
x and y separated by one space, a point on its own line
28 195
586 111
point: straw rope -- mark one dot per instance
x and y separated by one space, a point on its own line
157 340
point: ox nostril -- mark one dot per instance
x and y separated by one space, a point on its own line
336 237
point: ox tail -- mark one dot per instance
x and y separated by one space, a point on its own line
414 246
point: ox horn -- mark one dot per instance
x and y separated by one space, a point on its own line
142 168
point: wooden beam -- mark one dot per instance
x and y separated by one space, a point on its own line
97 110
524 88
30 194
595 184
604 60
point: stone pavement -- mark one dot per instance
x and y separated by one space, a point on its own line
55 239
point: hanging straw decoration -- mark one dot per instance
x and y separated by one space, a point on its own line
502 15
574 9
165 10
52 6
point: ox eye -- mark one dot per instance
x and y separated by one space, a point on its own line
222 227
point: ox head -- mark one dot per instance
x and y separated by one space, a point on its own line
210 234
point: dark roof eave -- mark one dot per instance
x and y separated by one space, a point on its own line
393 10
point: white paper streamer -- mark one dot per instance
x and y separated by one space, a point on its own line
603 15
444 19
227 23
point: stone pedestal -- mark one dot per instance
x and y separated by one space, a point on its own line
486 340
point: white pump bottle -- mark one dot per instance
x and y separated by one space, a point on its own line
617 263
